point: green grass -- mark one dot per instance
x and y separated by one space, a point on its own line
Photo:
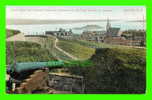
60 55
92 44
114 70
49 44
132 58
27 52
76 49
84 49
42 50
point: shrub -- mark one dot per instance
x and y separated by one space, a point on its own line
114 71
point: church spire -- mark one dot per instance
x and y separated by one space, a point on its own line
108 25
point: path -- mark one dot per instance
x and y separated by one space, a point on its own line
20 37
61 50
17 37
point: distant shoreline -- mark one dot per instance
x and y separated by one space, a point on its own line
34 22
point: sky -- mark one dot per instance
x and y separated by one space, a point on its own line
76 12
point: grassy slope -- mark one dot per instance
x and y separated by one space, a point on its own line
115 70
84 49
99 45
118 69
49 44
131 58
29 51
26 52
76 49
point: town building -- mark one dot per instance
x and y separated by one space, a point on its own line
96 36
34 34
113 36
121 41
112 31
61 33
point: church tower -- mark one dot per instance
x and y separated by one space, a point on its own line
108 25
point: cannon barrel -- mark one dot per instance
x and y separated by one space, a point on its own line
25 66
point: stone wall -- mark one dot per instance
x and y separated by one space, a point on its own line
70 83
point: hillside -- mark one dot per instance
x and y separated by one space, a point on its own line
88 27
76 49
115 71
84 49
27 52
92 44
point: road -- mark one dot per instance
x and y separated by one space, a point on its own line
61 50
17 37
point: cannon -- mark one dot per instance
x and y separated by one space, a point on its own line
27 66
20 71
22 74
